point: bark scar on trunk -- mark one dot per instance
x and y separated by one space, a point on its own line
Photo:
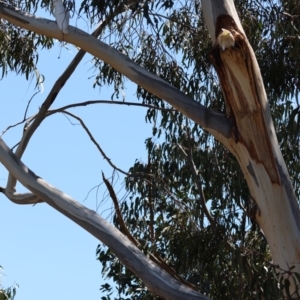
252 173
245 98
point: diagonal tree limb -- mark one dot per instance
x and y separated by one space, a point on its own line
155 278
61 82
217 124
10 189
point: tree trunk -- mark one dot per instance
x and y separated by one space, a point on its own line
253 138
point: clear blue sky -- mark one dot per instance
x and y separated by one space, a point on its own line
47 255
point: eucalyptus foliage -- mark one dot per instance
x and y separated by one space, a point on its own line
189 204
7 293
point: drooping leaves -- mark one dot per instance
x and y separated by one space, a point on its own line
189 204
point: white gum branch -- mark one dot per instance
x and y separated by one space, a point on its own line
155 278
217 124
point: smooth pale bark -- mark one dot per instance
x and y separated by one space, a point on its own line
254 143
157 280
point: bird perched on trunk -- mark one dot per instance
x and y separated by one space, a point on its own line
225 39
61 15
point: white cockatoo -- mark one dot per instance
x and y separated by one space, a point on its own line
61 15
225 39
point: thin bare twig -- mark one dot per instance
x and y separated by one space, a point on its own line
95 142
24 119
28 104
118 211
114 166
12 126
102 151
110 102
190 160
85 103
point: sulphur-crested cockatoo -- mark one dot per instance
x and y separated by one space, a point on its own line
225 39
61 15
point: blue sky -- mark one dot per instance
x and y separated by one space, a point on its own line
47 255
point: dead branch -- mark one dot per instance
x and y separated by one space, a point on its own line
155 258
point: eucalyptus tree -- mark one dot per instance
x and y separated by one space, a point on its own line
190 210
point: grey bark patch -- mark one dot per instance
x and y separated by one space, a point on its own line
286 182
251 171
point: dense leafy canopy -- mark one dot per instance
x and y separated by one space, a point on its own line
188 204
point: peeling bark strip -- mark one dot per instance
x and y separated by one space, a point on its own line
254 140
242 93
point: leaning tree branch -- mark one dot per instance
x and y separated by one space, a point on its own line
156 279
217 124
61 82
